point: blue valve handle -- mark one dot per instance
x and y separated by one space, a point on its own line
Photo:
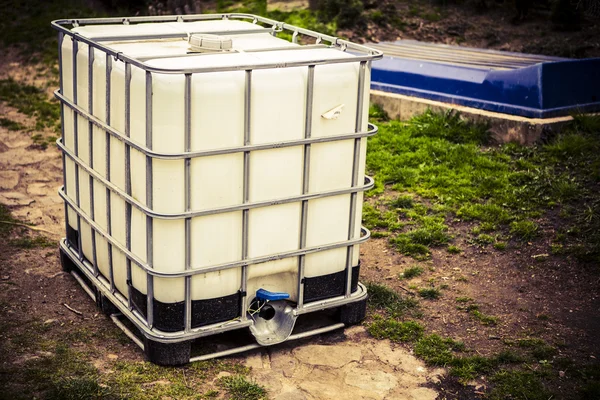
265 295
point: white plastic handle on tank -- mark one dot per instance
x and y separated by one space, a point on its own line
206 42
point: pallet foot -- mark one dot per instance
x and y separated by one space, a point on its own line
66 262
167 354
353 313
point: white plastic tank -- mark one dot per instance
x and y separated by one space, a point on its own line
217 109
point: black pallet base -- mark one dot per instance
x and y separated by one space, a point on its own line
178 353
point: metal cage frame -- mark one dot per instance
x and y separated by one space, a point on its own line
106 287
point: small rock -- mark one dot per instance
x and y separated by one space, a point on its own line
334 356
15 199
292 395
423 394
5 277
49 321
9 179
222 374
561 374
112 356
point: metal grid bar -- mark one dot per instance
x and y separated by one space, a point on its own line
91 153
127 163
246 191
128 198
61 38
365 234
214 152
74 48
149 199
355 172
188 200
310 81
182 35
369 54
108 177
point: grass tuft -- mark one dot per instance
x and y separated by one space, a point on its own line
239 388
388 328
430 293
412 272
385 299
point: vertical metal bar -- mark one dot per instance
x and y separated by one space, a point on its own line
355 171
149 203
61 37
188 200
128 180
76 147
310 81
91 153
111 274
246 191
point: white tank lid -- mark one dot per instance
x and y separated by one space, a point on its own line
206 42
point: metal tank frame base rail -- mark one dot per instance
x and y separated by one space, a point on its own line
135 312
166 351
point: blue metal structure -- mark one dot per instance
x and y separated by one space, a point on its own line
511 83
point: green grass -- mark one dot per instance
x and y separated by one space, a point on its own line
430 293
443 168
538 348
26 242
396 331
412 272
10 124
385 299
518 385
239 388
31 101
484 318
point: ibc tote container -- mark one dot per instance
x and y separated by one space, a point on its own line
213 175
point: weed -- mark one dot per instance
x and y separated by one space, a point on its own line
453 249
403 202
377 113
411 272
239 388
32 101
483 239
525 230
539 349
500 246
385 299
389 328
483 318
10 124
430 293
76 388
435 350
518 384
463 299
27 242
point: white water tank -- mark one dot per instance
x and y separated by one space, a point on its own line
216 156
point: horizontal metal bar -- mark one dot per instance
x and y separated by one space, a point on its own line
83 285
368 184
172 337
365 234
179 35
263 49
126 331
242 349
207 153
